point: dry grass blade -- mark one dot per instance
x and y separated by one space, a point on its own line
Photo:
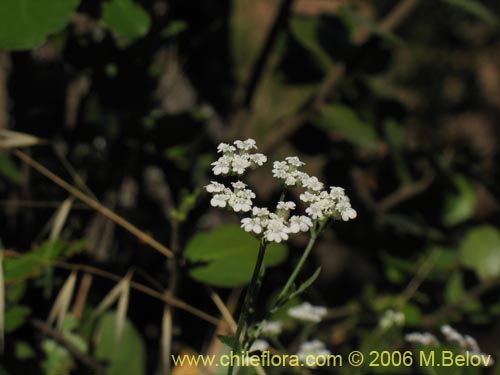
2 304
141 235
62 302
121 313
60 218
166 339
10 139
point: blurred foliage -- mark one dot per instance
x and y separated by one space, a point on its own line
133 97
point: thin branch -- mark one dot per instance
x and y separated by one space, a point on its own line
397 15
263 57
94 204
143 289
476 292
83 358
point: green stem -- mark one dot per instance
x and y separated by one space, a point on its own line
286 289
249 297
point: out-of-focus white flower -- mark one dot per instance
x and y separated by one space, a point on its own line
309 351
308 313
259 345
286 206
422 338
392 318
272 328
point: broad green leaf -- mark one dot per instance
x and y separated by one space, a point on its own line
460 204
455 291
24 351
229 255
15 317
476 9
480 251
126 18
344 121
33 263
25 24
305 31
128 358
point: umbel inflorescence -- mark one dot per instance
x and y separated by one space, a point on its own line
274 225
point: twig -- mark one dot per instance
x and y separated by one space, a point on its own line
83 358
476 292
141 288
289 125
261 61
94 204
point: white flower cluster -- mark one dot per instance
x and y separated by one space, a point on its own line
309 351
466 343
236 158
391 318
422 338
272 328
322 204
308 313
274 226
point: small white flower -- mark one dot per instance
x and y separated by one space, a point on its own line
300 224
309 351
252 224
246 145
272 328
257 211
312 183
258 159
308 313
219 200
221 166
337 192
276 231
240 204
287 206
225 148
259 345
215 187
240 163
315 211
424 338
392 318
295 161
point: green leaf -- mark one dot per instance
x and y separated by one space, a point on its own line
128 358
126 18
306 284
344 121
476 9
15 318
36 261
24 351
460 204
480 251
305 31
25 24
229 254
174 28
8 169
